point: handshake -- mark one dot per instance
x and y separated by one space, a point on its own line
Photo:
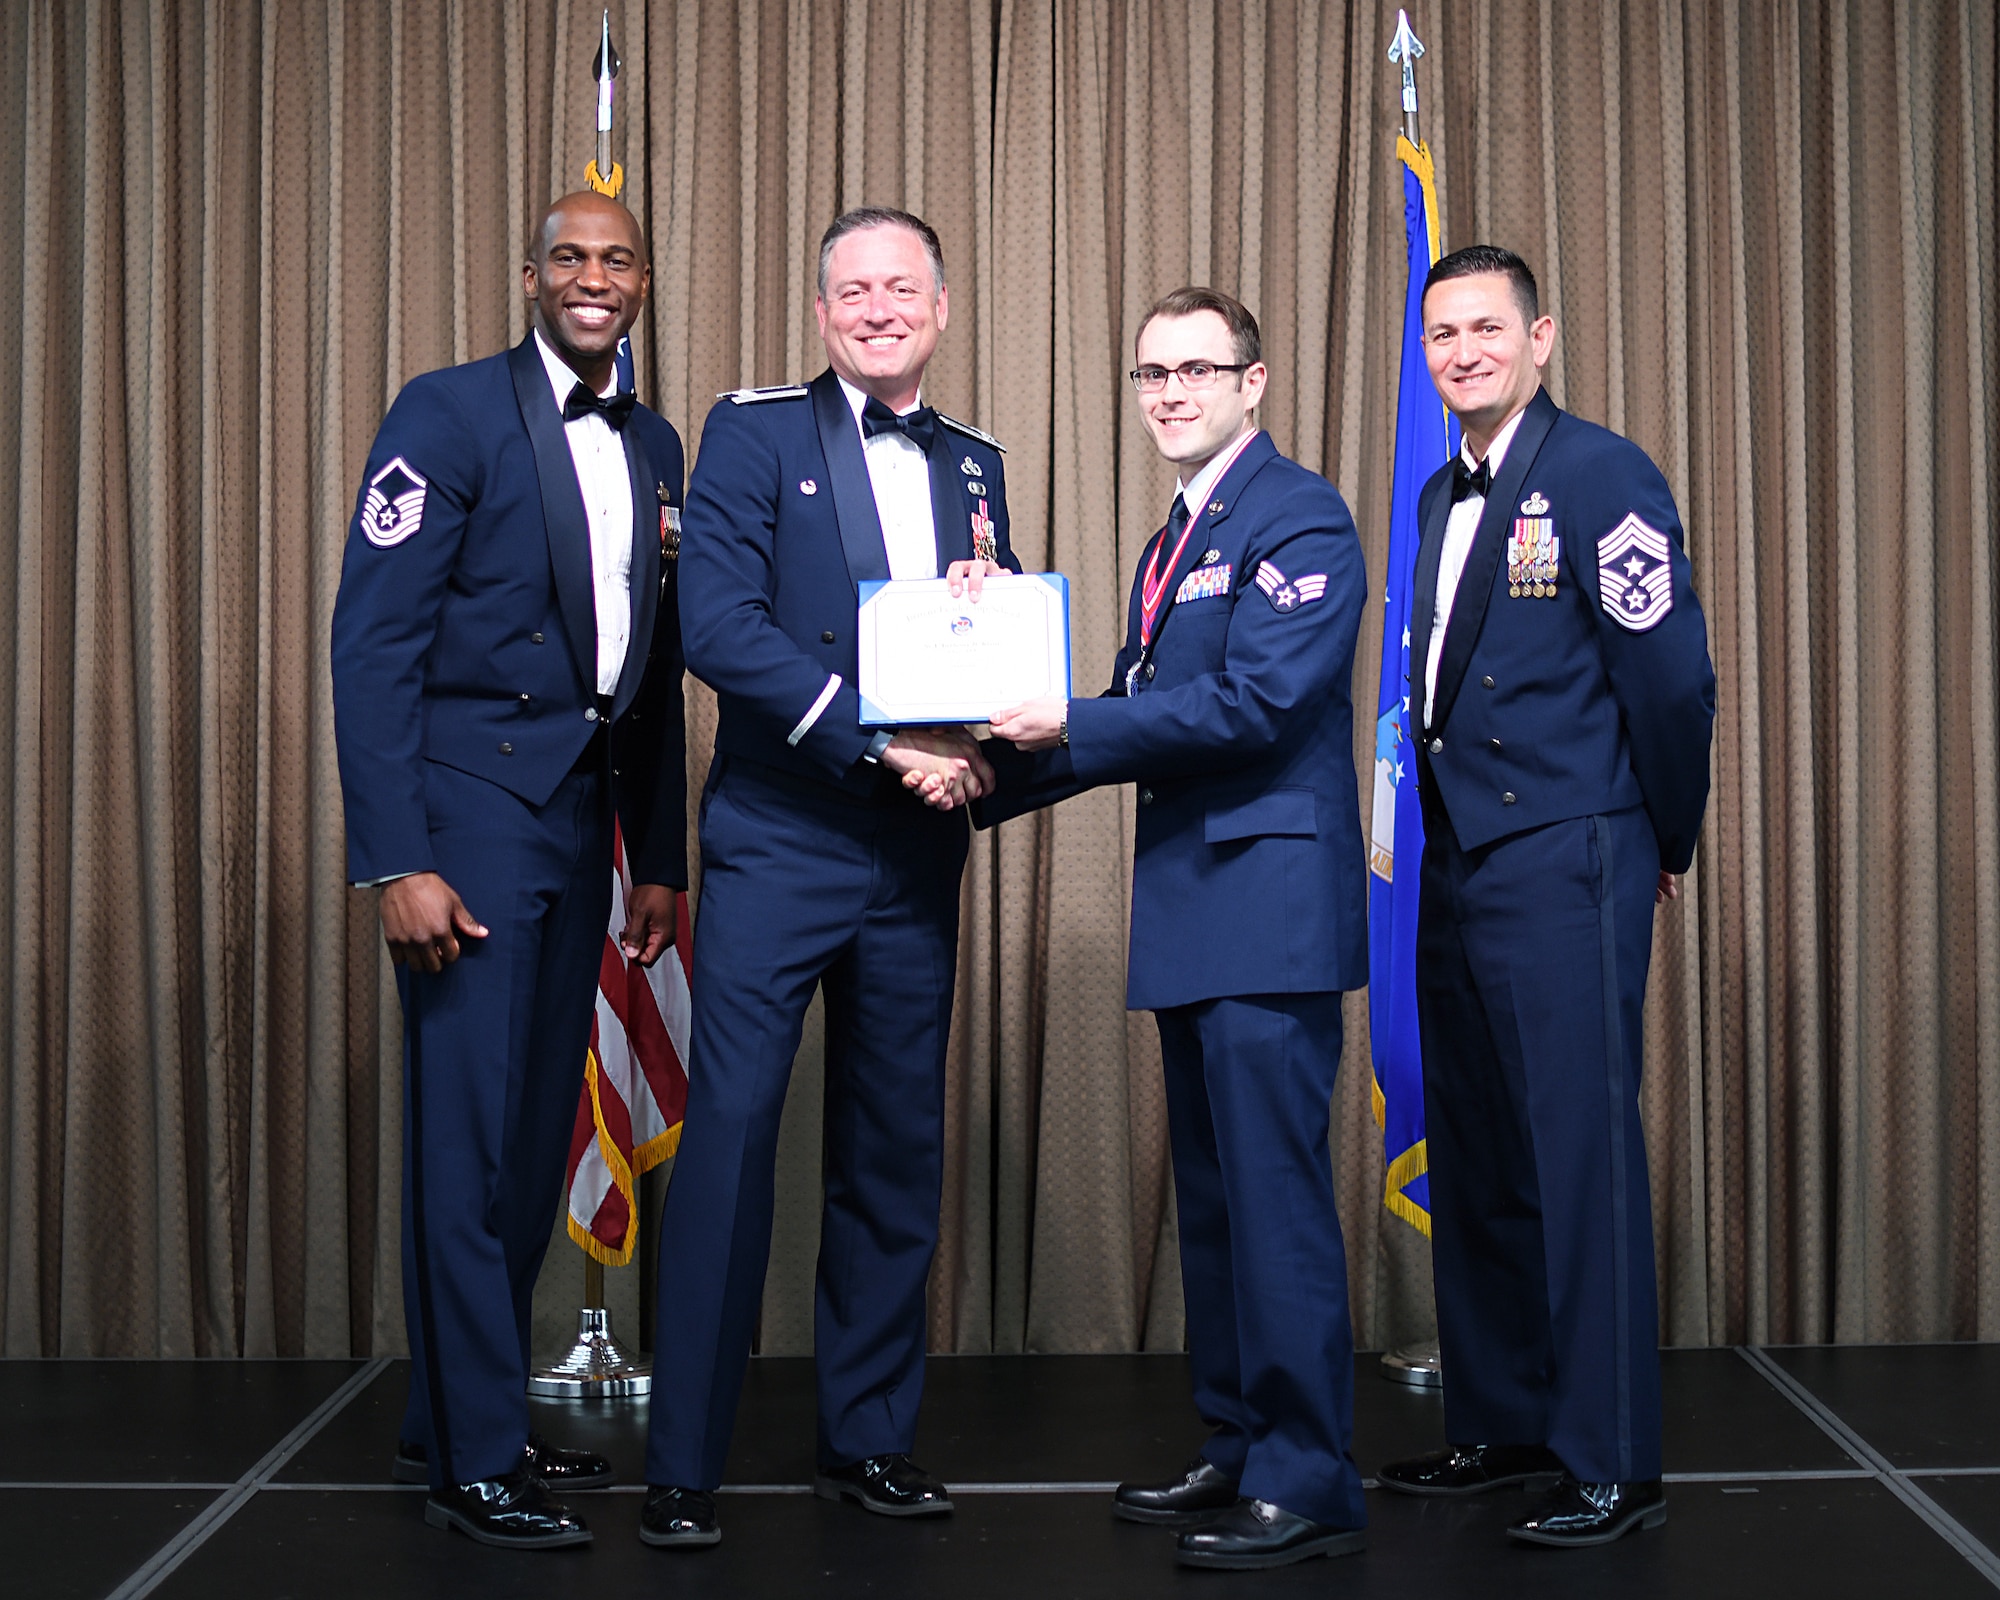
943 766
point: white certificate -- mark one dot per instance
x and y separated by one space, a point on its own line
927 657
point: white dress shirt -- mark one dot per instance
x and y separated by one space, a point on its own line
900 474
598 449
1459 529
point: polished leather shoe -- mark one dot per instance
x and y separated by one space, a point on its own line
1199 1492
515 1512
555 1466
1473 1469
1593 1513
678 1517
891 1486
1255 1533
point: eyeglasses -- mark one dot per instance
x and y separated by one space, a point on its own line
1193 375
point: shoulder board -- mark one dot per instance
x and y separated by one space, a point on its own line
971 432
777 391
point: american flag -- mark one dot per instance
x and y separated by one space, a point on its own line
628 1118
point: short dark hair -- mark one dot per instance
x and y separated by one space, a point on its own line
1480 260
1243 335
879 217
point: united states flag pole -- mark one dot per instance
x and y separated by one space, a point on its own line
1425 439
628 1117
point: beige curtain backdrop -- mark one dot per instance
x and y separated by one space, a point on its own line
1766 229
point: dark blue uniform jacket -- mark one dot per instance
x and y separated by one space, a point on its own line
781 531
470 639
1585 701
1248 875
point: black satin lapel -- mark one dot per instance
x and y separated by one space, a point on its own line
645 575
951 506
847 474
1475 584
562 506
1423 592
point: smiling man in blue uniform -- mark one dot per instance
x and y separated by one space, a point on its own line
506 671
820 869
1229 706
1565 699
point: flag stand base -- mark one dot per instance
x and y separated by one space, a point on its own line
1418 1365
597 1364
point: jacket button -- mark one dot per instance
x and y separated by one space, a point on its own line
1485 683
1494 742
1150 670
590 713
1507 799
826 637
534 638
506 749
1437 747
1145 797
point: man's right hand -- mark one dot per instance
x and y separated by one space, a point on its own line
941 766
423 919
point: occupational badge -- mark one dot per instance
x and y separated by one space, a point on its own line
1635 574
1533 555
808 486
393 508
1288 594
1209 558
1535 505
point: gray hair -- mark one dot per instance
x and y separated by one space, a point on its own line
879 217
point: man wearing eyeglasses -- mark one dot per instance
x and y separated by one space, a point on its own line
1229 707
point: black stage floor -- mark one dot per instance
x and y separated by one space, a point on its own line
1831 1472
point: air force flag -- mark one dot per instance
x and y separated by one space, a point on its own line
1425 439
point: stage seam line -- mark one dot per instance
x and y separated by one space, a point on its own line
168 1558
1893 1478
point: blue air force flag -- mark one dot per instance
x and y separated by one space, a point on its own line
1426 438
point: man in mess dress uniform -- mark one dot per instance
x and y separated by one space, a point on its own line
822 868
506 675
1563 698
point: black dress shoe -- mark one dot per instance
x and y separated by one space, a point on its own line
1255 1533
516 1512
678 1517
1201 1491
1473 1469
891 1486
1593 1513
558 1468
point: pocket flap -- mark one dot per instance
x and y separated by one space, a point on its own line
1293 812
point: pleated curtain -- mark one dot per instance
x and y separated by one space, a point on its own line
1766 229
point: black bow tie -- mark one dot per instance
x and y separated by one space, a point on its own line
1466 482
919 427
581 402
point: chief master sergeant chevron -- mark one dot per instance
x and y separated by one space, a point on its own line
820 869
506 669
1565 697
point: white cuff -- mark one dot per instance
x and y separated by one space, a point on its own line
825 699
